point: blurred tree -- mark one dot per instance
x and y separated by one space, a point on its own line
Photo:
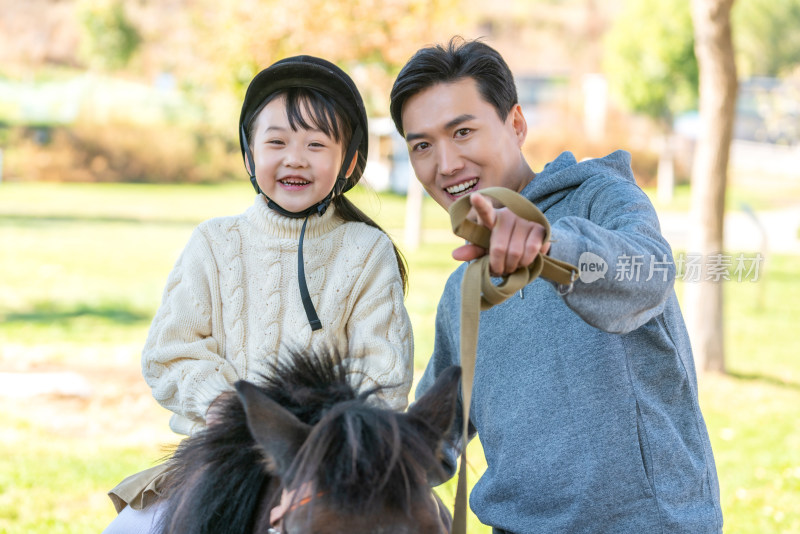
36 34
651 67
370 39
718 87
766 37
557 36
650 61
109 40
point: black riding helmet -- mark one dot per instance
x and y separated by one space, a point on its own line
325 77
321 75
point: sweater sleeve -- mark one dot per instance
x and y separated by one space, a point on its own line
379 329
627 270
181 360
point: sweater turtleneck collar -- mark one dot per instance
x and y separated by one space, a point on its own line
274 224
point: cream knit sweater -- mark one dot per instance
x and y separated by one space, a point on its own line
232 305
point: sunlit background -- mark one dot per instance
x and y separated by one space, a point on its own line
118 135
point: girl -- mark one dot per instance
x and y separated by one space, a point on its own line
302 269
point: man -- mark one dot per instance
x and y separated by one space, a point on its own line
585 398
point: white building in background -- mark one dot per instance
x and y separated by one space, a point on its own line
766 135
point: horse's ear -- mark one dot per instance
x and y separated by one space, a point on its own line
276 430
435 410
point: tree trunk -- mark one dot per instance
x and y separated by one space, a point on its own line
718 86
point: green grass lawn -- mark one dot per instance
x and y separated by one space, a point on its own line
741 191
82 268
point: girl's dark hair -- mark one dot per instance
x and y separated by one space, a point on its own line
325 114
460 59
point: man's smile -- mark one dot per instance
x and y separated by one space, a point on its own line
462 188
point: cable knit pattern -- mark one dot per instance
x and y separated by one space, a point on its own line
232 305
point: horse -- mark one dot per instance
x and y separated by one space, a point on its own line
305 451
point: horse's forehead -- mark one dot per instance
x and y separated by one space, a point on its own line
422 518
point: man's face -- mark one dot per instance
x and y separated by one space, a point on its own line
458 144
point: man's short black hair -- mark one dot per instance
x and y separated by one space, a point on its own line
460 59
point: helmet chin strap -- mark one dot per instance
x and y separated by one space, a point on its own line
320 208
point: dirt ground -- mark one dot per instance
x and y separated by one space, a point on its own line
117 408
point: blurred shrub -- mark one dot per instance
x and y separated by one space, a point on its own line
155 153
541 149
545 144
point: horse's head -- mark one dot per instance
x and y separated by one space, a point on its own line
359 469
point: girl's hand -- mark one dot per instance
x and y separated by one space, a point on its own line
214 413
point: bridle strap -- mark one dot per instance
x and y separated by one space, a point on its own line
291 500
479 293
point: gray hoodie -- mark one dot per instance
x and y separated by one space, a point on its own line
586 404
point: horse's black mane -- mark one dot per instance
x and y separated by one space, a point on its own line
355 453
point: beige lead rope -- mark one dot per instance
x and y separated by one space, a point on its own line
479 293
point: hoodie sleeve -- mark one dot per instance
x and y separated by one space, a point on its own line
626 265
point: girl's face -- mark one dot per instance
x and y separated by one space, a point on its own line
296 169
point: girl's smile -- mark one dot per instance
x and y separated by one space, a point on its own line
293 182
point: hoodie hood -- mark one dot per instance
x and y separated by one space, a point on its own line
565 173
